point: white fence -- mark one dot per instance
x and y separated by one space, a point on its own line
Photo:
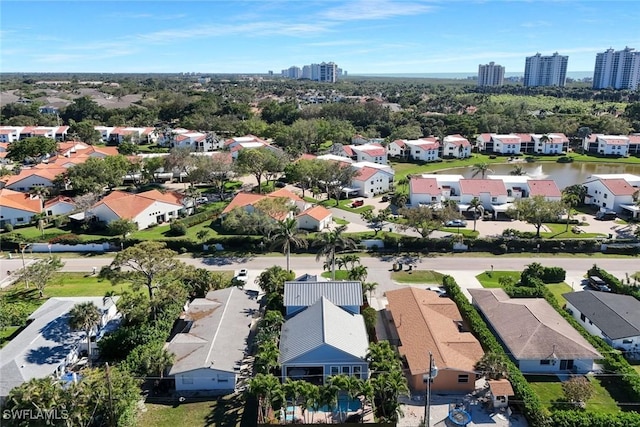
57 247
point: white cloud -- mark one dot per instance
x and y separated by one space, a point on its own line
363 10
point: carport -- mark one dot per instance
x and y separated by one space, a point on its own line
632 210
350 192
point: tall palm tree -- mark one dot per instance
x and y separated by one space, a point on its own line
286 235
480 169
571 200
40 192
584 133
359 273
330 243
266 388
309 398
369 287
85 317
475 205
349 261
493 366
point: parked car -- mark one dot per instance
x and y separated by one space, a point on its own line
357 203
606 216
280 184
456 223
243 275
598 284
439 290
385 198
202 200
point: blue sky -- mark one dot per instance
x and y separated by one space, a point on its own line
362 37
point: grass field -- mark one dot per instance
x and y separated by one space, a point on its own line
557 289
418 276
231 411
491 279
557 231
549 390
340 274
81 285
5 334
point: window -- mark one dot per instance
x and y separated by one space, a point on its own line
346 370
605 195
582 317
356 371
464 378
335 370
627 341
545 362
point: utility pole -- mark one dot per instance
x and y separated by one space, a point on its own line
428 379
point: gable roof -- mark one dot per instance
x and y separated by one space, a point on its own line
475 187
216 332
421 185
21 201
128 205
618 316
340 293
619 187
317 212
501 387
364 173
250 199
531 328
323 324
59 199
544 187
456 139
425 322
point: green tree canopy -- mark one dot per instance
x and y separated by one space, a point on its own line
31 149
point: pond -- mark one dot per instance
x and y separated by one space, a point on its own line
564 174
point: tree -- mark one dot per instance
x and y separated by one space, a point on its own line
40 272
584 133
349 261
267 357
493 366
257 162
517 170
536 210
85 132
330 243
85 316
40 192
127 148
31 150
266 388
422 219
399 200
475 205
149 360
203 235
271 281
376 221
578 390
358 273
303 173
480 169
95 174
571 200
369 287
150 264
122 227
180 161
335 177
287 235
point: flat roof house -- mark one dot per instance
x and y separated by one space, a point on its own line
425 323
536 337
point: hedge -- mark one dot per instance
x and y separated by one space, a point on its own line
616 285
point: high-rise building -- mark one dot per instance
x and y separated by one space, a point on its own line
617 69
545 70
490 74
328 72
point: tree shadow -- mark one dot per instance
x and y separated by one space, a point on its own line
63 340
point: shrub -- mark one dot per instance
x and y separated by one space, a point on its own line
66 239
177 228
8 227
565 159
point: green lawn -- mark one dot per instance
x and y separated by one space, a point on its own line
230 411
490 279
340 221
418 276
557 289
340 274
557 231
549 390
466 232
81 285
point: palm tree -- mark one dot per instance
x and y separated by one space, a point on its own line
267 357
330 244
475 205
309 398
369 287
359 273
349 261
404 181
266 388
517 171
292 391
480 169
493 366
286 235
584 133
571 200
39 192
544 139
85 317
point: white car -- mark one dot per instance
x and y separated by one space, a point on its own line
439 290
243 275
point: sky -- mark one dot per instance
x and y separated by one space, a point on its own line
361 36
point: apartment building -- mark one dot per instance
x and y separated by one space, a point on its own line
490 74
617 69
545 70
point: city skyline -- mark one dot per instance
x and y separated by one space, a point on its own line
362 37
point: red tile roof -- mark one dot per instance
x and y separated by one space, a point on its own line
59 199
242 200
128 205
365 173
399 142
544 187
419 185
21 201
619 187
475 187
317 212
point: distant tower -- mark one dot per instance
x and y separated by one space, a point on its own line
545 70
617 70
490 74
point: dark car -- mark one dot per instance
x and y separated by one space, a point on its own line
598 284
456 223
606 216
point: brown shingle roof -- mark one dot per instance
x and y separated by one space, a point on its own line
501 387
425 322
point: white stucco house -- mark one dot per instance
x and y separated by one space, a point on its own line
374 153
18 208
145 209
554 143
316 218
60 205
607 145
371 180
456 146
499 143
424 191
212 343
491 192
614 318
610 193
